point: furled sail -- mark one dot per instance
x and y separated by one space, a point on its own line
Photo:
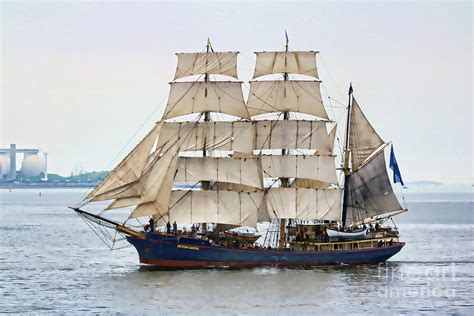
321 168
225 169
370 191
363 140
224 207
218 63
286 62
314 204
301 96
128 170
237 187
201 96
309 184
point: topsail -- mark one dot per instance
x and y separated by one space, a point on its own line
218 63
213 96
303 63
280 96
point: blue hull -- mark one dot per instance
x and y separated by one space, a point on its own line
180 252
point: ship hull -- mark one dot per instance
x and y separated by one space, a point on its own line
175 252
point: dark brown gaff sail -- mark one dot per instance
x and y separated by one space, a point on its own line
370 191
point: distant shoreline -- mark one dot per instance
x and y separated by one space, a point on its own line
46 185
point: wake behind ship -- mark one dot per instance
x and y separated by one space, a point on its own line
267 160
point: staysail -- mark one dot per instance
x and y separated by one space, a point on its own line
150 183
128 170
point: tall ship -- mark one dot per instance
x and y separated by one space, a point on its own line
227 181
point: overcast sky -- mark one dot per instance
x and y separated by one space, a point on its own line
79 80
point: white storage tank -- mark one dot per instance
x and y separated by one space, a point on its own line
4 165
33 165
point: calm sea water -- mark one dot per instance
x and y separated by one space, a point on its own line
51 262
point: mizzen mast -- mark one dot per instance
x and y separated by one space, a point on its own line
346 168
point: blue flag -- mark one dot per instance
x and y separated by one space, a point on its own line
286 36
397 177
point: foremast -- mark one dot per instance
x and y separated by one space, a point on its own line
284 152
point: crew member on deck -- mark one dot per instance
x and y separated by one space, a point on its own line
151 222
175 228
168 228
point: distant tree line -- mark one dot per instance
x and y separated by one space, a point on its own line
87 177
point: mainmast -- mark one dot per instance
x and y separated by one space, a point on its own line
311 196
207 114
207 118
347 171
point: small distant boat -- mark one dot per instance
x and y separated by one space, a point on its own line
355 234
242 237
